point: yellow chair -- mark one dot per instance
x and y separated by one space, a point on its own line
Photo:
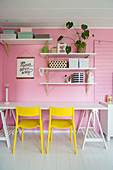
28 123
61 123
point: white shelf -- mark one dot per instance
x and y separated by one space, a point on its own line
69 69
27 41
69 83
65 54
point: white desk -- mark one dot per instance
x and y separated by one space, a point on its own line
106 119
93 109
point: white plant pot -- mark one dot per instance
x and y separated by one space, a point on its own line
68 81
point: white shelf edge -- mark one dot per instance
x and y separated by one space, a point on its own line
60 69
65 54
69 83
27 41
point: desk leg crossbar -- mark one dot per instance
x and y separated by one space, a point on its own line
7 130
89 133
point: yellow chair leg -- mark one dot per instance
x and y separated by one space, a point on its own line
75 139
22 135
71 134
41 136
14 140
51 134
48 140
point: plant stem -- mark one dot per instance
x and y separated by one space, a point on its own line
77 34
70 38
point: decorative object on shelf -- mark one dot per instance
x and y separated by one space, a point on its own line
6 87
83 62
41 71
45 49
61 47
25 35
7 36
41 36
58 64
73 62
69 79
109 98
90 78
80 43
9 32
25 29
25 67
54 49
78 77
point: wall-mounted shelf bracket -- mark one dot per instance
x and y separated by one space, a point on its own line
6 47
88 56
47 72
87 85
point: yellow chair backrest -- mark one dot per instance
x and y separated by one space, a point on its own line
61 112
28 111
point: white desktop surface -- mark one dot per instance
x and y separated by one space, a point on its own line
46 105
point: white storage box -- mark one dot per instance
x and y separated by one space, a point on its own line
73 62
25 29
7 36
84 63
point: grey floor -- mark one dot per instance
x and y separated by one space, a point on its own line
61 154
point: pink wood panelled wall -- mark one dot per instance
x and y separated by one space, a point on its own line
104 72
31 90
0 77
0 73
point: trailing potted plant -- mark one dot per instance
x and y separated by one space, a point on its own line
80 43
69 79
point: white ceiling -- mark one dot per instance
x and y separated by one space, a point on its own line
55 13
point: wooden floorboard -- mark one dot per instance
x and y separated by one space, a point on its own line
60 157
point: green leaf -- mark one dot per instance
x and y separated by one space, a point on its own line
78 42
66 75
83 44
78 33
84 27
68 49
85 34
69 25
75 45
69 78
60 38
93 35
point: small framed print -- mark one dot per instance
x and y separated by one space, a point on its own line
61 47
25 67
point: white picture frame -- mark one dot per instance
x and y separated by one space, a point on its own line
25 67
61 47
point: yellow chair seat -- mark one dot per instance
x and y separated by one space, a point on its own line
29 123
61 123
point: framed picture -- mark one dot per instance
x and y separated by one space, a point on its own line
25 67
61 47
